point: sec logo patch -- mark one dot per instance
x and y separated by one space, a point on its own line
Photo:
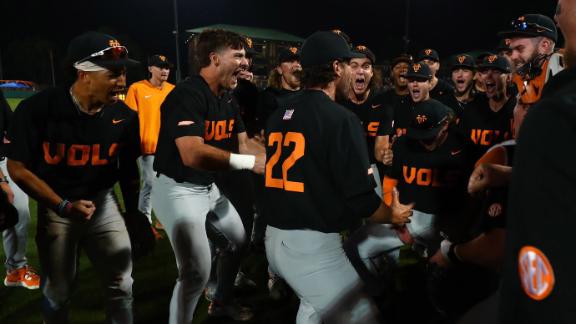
536 273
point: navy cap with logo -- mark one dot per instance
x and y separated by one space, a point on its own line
402 58
428 117
531 25
100 49
366 52
419 71
496 62
428 54
462 61
160 61
288 55
323 47
343 35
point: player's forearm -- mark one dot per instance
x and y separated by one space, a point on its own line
382 215
486 250
32 185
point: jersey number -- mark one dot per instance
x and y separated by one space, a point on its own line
299 145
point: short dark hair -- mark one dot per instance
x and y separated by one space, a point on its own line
211 40
318 76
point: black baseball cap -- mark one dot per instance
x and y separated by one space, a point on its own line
402 58
160 61
427 119
366 52
288 55
323 47
503 45
462 61
419 71
101 49
497 62
531 25
343 35
428 54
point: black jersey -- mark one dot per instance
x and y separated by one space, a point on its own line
191 109
76 154
268 103
538 282
5 117
401 112
376 116
246 95
484 127
457 106
441 90
431 179
317 175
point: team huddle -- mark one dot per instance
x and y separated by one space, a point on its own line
337 173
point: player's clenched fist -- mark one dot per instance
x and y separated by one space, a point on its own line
400 214
81 209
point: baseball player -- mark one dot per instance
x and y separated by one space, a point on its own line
370 106
199 124
18 272
319 182
68 147
145 97
488 119
439 88
462 69
532 39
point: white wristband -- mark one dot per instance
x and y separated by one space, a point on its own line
242 161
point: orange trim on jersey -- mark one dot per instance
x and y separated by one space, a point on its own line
387 186
146 99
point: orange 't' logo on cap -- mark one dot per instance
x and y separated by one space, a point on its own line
521 18
427 51
492 58
536 273
420 119
337 31
162 58
113 43
416 67
361 48
294 50
461 59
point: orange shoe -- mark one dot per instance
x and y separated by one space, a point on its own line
22 277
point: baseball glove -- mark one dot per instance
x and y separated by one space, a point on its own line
140 232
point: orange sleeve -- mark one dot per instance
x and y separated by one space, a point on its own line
130 100
497 155
387 186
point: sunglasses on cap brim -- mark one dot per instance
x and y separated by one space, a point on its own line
110 53
520 25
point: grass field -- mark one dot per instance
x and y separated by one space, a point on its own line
154 277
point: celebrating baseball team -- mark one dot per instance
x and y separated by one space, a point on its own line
344 173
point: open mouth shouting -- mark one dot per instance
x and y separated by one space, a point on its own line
360 84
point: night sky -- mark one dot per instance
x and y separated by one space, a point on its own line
145 26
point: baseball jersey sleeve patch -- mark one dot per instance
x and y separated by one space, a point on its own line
536 273
288 114
185 123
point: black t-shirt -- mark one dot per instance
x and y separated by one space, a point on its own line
457 106
246 95
401 111
483 127
5 118
431 179
191 109
376 116
76 154
441 90
317 173
268 103
538 282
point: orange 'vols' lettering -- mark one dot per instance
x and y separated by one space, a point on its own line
372 128
60 151
72 152
299 141
430 177
217 130
486 137
400 131
78 154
